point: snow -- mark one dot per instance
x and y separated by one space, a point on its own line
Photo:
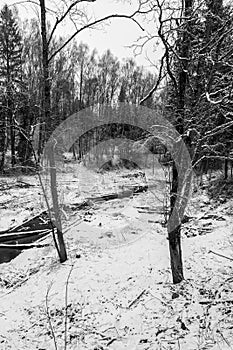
120 294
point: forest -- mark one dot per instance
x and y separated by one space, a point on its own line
101 156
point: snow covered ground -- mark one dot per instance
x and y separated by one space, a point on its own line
115 291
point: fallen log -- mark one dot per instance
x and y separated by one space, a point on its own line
129 190
30 223
23 184
105 197
15 236
23 246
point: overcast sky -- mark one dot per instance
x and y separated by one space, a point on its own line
115 36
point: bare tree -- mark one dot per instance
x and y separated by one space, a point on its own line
47 58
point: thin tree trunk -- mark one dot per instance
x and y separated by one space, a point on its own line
3 139
46 99
46 104
12 138
53 183
9 106
226 169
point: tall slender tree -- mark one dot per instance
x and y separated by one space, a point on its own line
10 75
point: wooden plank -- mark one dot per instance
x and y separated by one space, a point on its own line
23 246
15 236
27 222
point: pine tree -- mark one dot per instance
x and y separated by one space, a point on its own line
10 77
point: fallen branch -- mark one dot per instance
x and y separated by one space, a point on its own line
111 341
209 301
19 284
222 256
22 246
24 184
15 236
26 223
129 190
106 337
136 299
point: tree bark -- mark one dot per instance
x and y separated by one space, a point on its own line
53 183
174 230
3 138
226 169
12 136
46 129
45 126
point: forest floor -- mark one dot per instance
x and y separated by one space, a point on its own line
115 291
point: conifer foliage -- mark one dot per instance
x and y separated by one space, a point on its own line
10 79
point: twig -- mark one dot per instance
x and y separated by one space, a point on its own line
66 303
49 318
111 341
136 299
106 337
226 341
223 256
154 88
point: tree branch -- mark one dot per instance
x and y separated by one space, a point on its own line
89 25
150 93
59 20
166 46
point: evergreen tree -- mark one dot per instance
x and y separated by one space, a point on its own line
10 77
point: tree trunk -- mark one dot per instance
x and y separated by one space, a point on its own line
12 138
174 233
46 105
9 105
24 148
46 99
174 229
3 138
225 169
53 183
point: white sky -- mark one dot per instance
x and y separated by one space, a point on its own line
115 36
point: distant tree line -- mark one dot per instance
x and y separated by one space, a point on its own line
78 77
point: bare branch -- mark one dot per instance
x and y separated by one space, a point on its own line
59 20
222 256
89 25
66 306
30 2
49 317
166 46
150 93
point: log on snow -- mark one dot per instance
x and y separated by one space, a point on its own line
15 236
22 246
